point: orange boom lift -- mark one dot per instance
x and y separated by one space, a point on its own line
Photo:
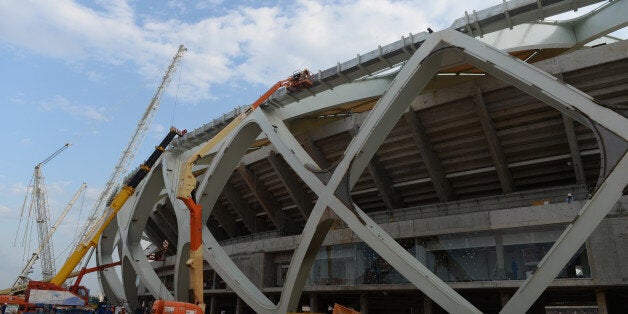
187 183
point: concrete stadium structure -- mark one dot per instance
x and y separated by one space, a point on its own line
427 175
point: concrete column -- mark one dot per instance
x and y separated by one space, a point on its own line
238 305
601 302
212 305
504 296
420 253
364 303
313 303
427 305
499 251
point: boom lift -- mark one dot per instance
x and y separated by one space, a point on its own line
187 183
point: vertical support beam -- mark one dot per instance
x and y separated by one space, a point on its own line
241 207
499 252
432 163
574 149
364 303
600 296
504 296
420 252
224 219
239 305
212 305
264 197
495 148
427 305
294 187
214 302
313 303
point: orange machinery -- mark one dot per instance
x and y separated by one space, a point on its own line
187 183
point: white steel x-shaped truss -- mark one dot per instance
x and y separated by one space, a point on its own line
444 49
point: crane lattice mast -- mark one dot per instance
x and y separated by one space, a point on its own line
23 276
40 201
129 152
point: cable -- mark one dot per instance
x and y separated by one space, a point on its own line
22 212
78 220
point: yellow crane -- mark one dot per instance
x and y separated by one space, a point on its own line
98 222
93 236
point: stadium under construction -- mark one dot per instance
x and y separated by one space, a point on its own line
479 168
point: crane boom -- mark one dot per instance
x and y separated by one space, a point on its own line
21 279
53 155
129 152
93 235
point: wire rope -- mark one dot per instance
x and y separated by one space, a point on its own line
78 220
22 211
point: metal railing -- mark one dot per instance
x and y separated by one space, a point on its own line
512 200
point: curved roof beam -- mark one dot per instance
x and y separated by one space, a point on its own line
569 34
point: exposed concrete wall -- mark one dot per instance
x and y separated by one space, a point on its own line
608 256
606 246
252 265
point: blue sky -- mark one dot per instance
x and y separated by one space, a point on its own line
84 71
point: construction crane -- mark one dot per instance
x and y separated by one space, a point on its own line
187 183
22 278
128 153
38 292
39 199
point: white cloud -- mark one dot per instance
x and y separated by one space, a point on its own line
17 188
254 45
18 99
244 45
5 210
94 76
11 212
58 187
82 111
25 141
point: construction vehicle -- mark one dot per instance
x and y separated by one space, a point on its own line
39 201
53 292
102 214
93 236
22 278
187 183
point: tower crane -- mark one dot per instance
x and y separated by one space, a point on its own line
23 276
129 152
40 201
